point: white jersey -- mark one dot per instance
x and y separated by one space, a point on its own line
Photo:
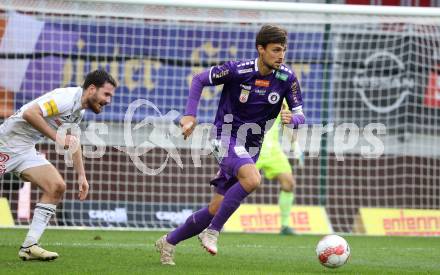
59 106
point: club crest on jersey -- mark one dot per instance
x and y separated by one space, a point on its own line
244 96
273 97
262 83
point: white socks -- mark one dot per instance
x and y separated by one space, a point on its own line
42 214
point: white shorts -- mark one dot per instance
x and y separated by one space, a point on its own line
17 162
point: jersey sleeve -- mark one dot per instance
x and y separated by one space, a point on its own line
222 74
293 94
55 103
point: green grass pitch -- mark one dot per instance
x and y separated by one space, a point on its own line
132 252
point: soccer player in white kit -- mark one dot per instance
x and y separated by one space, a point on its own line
42 117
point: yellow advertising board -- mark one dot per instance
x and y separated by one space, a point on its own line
5 213
264 218
400 222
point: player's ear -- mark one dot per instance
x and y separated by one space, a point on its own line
260 49
92 88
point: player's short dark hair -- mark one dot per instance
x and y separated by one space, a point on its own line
98 78
271 34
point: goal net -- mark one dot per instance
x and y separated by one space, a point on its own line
370 82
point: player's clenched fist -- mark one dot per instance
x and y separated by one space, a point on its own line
187 123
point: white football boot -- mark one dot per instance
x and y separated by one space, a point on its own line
35 252
208 239
166 251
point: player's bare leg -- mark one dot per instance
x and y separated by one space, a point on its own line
53 186
216 202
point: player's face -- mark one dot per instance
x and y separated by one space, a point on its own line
101 97
273 55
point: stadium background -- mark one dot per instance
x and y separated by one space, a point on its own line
154 59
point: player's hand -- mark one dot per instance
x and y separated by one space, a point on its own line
187 123
70 142
286 116
83 187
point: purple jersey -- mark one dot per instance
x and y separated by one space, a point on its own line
251 97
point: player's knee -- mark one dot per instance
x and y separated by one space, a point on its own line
288 186
251 182
287 182
287 189
58 187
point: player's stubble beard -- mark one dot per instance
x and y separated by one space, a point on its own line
95 105
269 66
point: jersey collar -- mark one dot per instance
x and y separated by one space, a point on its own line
256 66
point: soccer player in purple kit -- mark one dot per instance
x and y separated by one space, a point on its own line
251 99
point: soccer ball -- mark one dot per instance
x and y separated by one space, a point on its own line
333 251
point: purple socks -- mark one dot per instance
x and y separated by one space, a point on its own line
201 219
233 197
195 224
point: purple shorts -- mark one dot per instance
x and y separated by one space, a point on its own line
230 159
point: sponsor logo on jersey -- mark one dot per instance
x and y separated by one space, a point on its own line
260 91
244 96
220 74
240 151
294 88
273 97
281 76
262 83
67 118
3 159
246 87
243 71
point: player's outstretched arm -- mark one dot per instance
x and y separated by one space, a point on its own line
188 122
